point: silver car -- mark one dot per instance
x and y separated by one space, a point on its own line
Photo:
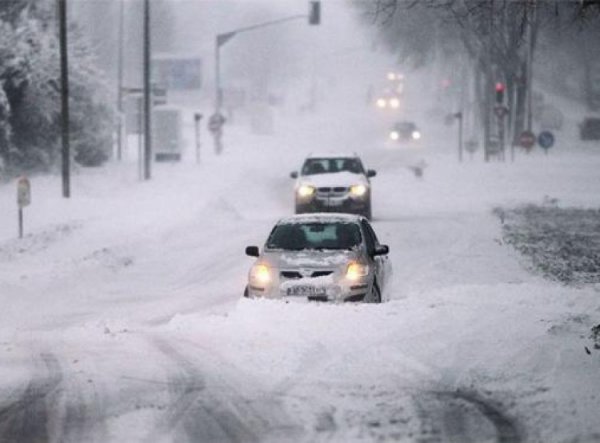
320 257
333 183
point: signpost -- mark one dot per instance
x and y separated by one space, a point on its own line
501 111
23 199
546 140
197 118
527 139
471 146
215 126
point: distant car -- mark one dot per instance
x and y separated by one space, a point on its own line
404 131
320 257
333 183
590 129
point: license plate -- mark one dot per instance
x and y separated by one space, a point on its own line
334 203
305 291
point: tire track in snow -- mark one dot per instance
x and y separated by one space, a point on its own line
463 417
47 411
25 419
204 408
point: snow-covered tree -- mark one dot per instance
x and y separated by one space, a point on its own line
30 81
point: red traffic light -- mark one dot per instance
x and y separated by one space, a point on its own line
500 92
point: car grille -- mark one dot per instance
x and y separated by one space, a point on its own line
292 275
337 190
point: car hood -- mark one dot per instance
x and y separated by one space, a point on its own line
334 179
310 259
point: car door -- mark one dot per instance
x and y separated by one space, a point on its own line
380 262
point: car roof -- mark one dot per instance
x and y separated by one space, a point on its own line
332 155
321 217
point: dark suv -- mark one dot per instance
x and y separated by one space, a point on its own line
590 129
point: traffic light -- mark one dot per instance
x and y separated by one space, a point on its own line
314 16
500 87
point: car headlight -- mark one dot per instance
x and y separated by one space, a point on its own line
356 271
381 103
306 190
416 135
395 103
260 274
394 135
358 190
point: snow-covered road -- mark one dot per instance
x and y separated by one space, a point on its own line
122 318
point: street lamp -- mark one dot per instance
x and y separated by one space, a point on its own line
217 119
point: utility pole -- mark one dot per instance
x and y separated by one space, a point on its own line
64 94
532 19
147 104
120 81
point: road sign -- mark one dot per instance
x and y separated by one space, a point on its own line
215 122
471 146
527 139
23 192
501 111
546 139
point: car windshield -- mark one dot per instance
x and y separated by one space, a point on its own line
329 165
592 123
299 236
405 127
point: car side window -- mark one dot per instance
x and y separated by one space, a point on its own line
370 239
375 239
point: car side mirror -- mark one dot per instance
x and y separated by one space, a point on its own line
381 250
252 251
371 173
294 174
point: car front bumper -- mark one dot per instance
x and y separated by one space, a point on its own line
348 204
308 290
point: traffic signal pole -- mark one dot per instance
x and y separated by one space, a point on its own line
314 18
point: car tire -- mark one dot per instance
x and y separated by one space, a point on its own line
246 293
375 294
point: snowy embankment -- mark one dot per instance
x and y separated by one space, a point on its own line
122 318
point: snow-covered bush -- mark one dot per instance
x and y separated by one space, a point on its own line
30 81
562 243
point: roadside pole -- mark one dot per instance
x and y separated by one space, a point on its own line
64 94
459 116
120 81
23 199
147 104
197 118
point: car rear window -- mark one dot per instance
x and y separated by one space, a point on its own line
299 236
